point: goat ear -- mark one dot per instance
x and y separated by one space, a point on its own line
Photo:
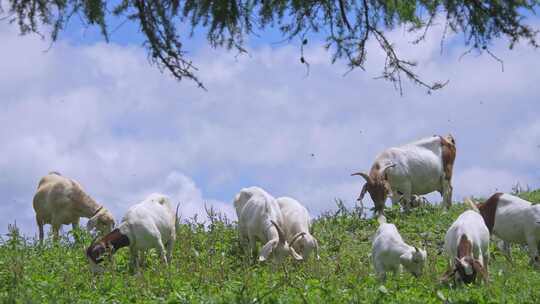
362 193
383 169
267 249
480 270
405 258
295 255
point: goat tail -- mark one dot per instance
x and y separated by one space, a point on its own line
471 204
381 219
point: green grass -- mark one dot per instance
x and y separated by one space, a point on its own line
208 266
531 196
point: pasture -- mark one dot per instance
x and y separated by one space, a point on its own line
208 266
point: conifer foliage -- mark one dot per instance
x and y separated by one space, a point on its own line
345 25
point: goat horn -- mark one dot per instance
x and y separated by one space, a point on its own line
297 237
364 175
279 231
362 193
386 167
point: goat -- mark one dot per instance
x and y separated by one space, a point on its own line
419 167
61 201
297 221
390 252
467 246
260 218
513 220
149 224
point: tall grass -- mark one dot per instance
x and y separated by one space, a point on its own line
209 266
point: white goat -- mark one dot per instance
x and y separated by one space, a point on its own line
389 252
419 167
296 222
513 220
467 246
61 201
149 224
260 218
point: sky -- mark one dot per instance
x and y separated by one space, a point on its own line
101 114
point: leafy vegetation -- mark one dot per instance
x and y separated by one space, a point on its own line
531 196
208 266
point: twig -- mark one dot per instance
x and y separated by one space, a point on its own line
302 58
6 16
467 52
427 27
444 35
344 15
496 58
118 27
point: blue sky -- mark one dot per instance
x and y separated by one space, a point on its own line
101 114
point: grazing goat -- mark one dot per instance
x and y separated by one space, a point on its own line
389 252
467 246
296 222
513 220
149 224
260 218
61 201
419 167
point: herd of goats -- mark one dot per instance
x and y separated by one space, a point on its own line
283 224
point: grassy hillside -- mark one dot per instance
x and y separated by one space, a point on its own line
208 267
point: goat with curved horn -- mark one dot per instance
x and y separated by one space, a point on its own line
414 164
258 213
296 225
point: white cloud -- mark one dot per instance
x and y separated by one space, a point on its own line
523 144
486 181
100 114
184 191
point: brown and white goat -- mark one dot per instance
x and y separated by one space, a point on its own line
513 220
467 246
149 224
416 168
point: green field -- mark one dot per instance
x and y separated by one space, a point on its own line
208 266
